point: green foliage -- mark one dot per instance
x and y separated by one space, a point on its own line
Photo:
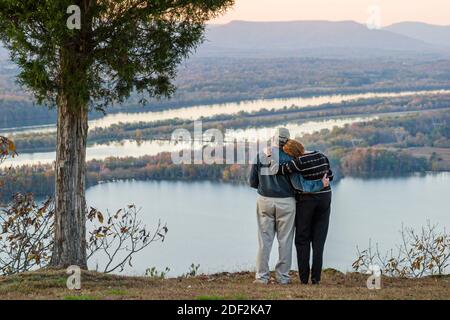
193 271
122 46
155 274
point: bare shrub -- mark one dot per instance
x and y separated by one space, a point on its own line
26 237
121 237
422 253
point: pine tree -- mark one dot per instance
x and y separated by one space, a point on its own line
79 55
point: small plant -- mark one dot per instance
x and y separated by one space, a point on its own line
423 253
193 271
155 274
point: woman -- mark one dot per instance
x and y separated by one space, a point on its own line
313 208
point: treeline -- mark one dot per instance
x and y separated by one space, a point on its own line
381 163
377 148
20 112
426 129
212 80
382 147
40 142
39 179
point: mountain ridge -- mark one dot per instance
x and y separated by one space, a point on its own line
314 36
320 38
433 34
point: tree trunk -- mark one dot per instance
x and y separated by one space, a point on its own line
70 207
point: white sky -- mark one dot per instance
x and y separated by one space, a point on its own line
392 11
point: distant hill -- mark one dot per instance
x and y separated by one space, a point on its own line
346 39
436 35
316 38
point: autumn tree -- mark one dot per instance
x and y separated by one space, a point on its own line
7 148
79 55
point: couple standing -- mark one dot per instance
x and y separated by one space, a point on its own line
294 197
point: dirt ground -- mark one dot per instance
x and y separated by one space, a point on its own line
224 286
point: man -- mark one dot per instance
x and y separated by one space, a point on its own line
313 213
275 210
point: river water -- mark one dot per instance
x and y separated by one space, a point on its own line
214 224
135 149
195 112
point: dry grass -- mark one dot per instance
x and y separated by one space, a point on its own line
237 286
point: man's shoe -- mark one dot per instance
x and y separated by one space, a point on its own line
261 281
285 282
315 282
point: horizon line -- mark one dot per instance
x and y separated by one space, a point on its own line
324 20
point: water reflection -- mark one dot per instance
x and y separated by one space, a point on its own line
134 149
214 224
196 112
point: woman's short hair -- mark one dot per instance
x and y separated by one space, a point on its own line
294 148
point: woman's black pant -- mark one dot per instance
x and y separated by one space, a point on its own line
311 222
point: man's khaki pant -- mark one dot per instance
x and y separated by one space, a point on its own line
275 216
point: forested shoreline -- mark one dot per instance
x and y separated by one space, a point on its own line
378 148
45 142
362 162
205 81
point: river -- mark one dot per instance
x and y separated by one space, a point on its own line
214 224
195 112
132 148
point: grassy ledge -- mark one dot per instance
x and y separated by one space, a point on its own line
51 284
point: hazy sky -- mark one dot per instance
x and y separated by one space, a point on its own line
430 11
